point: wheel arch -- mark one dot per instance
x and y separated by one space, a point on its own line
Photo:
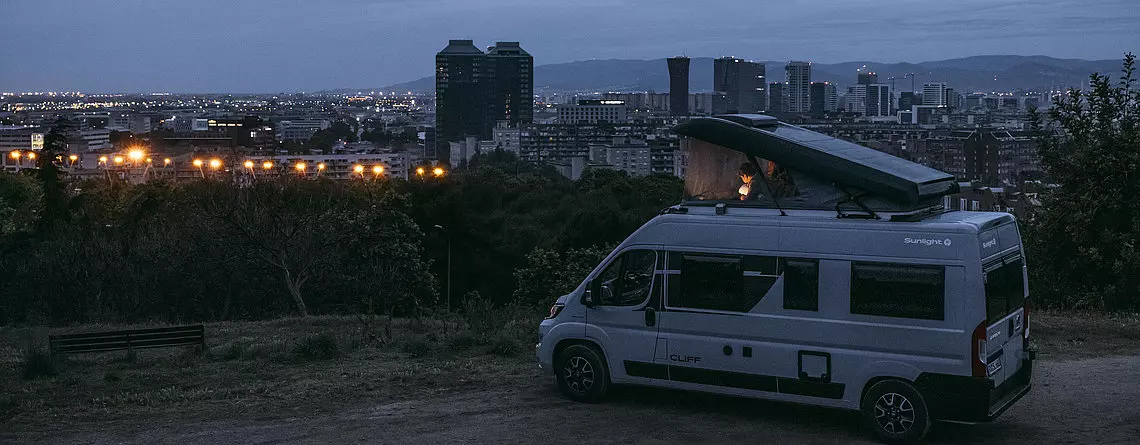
886 370
568 342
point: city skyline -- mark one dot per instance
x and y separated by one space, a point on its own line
296 46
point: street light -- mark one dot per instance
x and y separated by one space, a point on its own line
249 164
215 163
103 160
15 154
420 171
119 160
377 170
31 156
300 168
136 155
268 165
320 167
358 169
446 232
166 162
73 158
437 172
198 163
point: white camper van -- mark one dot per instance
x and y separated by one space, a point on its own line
858 298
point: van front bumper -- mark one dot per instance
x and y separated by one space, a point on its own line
971 399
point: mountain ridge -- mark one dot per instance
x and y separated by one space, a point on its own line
966 74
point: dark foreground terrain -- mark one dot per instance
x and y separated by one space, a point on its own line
1085 392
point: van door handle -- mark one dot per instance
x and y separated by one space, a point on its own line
650 316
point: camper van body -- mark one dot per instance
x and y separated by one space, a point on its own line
804 307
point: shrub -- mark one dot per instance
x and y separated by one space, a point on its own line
322 346
462 341
416 346
506 345
38 363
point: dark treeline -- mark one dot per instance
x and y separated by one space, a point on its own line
518 233
212 250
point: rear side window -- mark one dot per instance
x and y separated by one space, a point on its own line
898 290
730 283
801 284
1005 287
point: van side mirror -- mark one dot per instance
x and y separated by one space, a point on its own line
588 297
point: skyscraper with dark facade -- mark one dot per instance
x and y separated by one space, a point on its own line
740 86
679 86
460 99
777 98
824 98
510 88
475 90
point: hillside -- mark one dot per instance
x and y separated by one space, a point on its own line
979 73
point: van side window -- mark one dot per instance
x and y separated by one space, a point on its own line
801 284
898 290
628 279
731 283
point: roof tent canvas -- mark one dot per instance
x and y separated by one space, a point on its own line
763 162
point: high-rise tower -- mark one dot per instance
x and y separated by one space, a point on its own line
679 86
799 87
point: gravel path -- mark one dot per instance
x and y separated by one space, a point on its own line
1079 401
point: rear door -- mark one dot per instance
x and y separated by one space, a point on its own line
1004 276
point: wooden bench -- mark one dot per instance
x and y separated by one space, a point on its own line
128 340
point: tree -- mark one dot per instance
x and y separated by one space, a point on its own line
55 195
21 202
549 274
1085 236
292 225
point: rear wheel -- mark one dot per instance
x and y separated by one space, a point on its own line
582 373
896 412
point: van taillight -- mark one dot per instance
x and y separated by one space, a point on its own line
978 349
1025 322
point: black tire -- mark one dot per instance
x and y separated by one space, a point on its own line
582 374
896 412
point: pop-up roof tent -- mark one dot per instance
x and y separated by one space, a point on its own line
755 160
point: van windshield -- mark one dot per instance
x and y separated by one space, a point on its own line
1005 287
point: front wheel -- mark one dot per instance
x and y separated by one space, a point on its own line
582 374
896 412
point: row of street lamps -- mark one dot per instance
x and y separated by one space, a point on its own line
137 156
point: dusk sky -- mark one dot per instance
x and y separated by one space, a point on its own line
305 45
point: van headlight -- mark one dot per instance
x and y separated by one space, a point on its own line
555 310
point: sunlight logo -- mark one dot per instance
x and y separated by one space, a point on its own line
928 242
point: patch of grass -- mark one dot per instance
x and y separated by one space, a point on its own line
463 341
266 351
1072 335
506 346
37 362
9 406
322 346
236 351
415 346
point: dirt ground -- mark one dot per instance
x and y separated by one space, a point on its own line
1087 400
